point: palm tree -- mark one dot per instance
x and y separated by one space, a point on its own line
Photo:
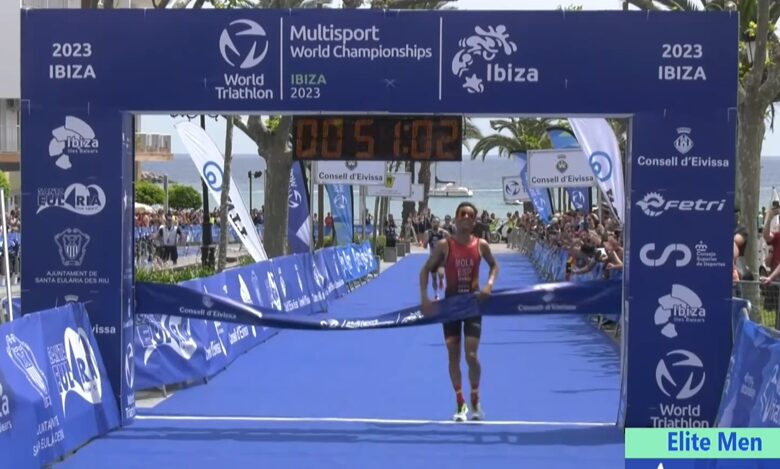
513 135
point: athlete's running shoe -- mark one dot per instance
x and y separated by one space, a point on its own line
462 414
479 414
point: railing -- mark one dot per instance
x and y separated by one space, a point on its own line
764 300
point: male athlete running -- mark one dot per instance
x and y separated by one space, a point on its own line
461 255
433 236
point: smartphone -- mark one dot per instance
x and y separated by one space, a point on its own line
775 203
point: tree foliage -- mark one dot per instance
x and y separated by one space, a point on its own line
181 197
149 193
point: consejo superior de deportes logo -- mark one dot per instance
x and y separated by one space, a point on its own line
243 43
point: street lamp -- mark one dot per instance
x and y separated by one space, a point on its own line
252 175
750 46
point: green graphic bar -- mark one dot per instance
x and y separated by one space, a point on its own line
703 443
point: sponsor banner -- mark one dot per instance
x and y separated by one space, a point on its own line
55 394
323 60
77 186
751 394
210 164
559 168
579 197
340 197
356 173
539 197
513 189
602 151
679 263
298 213
397 185
581 298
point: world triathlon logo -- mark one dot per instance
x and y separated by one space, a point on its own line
244 44
74 138
513 188
489 45
688 376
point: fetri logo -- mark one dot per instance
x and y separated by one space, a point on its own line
75 138
244 44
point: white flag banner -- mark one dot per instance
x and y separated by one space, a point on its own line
210 163
598 141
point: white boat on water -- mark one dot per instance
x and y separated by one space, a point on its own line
449 189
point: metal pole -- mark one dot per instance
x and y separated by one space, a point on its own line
250 192
165 189
362 195
206 258
5 260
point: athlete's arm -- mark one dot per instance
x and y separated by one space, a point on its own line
434 261
484 250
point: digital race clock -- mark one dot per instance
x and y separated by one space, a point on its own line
418 138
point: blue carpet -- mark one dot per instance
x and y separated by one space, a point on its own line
535 368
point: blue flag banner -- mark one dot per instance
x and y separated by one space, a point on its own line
298 214
340 197
579 197
751 394
573 298
539 197
54 391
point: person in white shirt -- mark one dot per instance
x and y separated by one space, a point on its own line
170 235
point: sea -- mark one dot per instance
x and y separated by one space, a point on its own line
483 177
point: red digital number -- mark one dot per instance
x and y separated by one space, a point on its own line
427 139
329 127
306 144
441 153
368 140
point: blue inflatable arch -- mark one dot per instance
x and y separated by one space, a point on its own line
85 72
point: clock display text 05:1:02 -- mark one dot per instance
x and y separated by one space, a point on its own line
400 138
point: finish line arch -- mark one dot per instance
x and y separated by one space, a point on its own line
84 72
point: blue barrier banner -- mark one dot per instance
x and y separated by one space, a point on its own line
678 271
169 349
289 275
340 197
298 213
751 394
335 271
330 282
558 298
54 390
539 197
579 197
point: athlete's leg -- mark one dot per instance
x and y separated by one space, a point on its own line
473 332
452 333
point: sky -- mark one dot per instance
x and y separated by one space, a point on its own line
242 144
